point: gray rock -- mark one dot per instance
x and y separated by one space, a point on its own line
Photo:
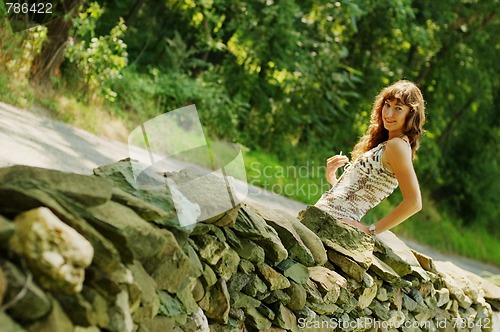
149 303
8 324
241 300
216 302
55 252
294 271
171 267
339 236
211 250
106 257
328 281
24 300
245 248
228 264
395 253
384 271
298 296
171 307
283 225
256 320
148 187
7 229
347 265
133 236
86 190
272 278
254 227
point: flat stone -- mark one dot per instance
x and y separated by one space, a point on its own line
144 209
228 264
297 295
384 271
347 265
442 297
149 303
171 307
148 187
326 279
279 296
425 262
367 297
216 302
7 229
134 237
285 318
34 305
311 241
254 227
380 310
241 300
255 286
120 317
215 195
294 271
87 190
283 225
395 253
185 295
256 320
211 250
272 278
245 248
8 324
461 287
339 236
171 267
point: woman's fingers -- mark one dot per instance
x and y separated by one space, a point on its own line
337 161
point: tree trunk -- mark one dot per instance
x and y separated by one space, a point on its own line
50 58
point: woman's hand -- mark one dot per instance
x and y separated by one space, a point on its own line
332 165
357 225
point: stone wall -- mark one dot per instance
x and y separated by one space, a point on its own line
91 253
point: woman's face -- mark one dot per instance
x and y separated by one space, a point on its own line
394 114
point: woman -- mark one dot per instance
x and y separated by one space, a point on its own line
383 158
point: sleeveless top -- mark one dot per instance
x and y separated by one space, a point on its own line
363 185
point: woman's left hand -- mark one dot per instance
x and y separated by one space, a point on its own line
357 224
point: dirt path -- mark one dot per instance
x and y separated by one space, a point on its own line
31 140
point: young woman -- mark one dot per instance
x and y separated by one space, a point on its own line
382 159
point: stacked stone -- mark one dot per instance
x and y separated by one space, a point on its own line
91 253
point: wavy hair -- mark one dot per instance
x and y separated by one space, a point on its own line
410 95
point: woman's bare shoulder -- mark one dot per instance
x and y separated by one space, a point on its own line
397 147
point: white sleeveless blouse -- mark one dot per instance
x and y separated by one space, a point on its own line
363 185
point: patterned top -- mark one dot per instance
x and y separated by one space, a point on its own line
363 185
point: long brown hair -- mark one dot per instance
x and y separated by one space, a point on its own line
410 95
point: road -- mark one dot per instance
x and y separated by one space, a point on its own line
33 140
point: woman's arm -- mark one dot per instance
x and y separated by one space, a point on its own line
397 156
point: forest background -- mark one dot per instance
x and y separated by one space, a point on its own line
291 81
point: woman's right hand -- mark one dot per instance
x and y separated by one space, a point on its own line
332 164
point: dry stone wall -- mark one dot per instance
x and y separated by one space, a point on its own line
91 253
